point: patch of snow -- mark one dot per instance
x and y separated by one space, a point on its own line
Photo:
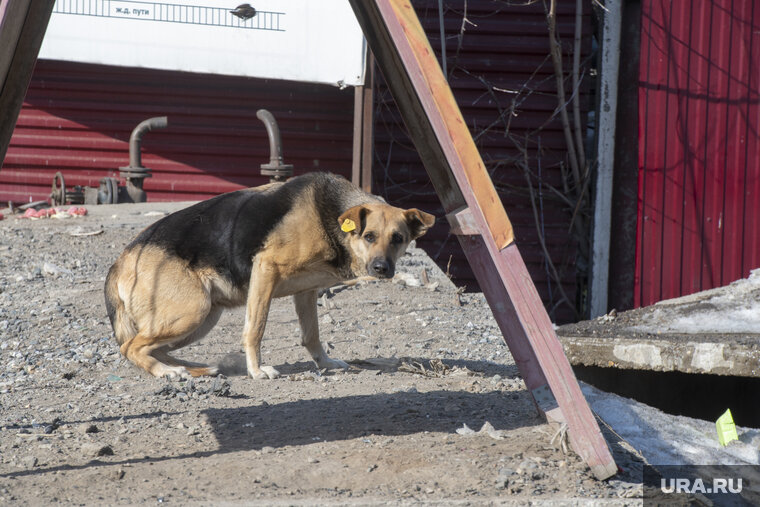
665 439
734 308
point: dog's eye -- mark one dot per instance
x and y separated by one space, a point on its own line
397 238
369 237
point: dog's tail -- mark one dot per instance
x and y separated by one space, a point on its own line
123 327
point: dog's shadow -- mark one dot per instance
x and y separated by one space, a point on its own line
397 413
305 422
234 365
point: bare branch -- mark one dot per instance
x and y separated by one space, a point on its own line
556 53
576 84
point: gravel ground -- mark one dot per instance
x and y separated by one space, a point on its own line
80 425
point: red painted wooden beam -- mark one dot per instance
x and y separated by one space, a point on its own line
477 216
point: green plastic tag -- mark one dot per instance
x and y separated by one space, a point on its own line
726 428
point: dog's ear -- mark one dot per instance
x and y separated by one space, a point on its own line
351 221
418 222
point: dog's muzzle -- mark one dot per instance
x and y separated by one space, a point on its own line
380 268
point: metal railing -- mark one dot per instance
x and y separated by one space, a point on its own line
170 13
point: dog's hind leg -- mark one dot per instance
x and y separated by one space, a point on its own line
144 350
306 309
167 326
195 369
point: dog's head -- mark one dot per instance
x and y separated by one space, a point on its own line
378 234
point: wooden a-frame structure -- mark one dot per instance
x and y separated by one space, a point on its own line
477 217
473 207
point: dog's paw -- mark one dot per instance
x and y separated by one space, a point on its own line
265 372
332 364
175 373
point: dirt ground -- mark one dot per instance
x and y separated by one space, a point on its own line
79 425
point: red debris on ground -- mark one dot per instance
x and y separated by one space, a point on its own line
54 212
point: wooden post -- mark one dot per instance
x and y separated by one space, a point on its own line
478 218
361 170
22 27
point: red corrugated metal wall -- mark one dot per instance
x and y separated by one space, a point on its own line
497 58
699 156
77 119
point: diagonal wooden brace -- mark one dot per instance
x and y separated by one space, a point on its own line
463 222
478 219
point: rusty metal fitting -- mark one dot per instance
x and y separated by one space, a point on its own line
135 173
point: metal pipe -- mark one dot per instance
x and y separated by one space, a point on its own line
273 131
276 169
135 173
135 140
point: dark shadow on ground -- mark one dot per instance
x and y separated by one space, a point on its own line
305 422
330 419
52 425
233 365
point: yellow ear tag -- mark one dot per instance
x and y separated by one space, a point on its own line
348 225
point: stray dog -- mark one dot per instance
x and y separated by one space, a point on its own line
170 285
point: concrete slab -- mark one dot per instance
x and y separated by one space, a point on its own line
714 332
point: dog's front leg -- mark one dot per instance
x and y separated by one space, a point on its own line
260 291
306 308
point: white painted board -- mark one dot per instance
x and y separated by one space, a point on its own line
298 40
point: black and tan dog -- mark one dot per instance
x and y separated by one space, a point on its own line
170 285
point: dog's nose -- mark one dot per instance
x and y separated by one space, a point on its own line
381 268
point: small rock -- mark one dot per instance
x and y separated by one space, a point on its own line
95 449
407 279
220 387
327 319
526 466
88 428
505 477
29 462
51 269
